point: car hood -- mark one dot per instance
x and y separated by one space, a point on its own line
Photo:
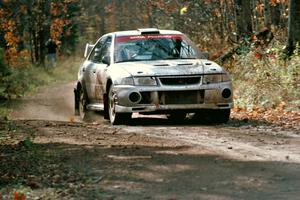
169 67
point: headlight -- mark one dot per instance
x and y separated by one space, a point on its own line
145 81
126 81
215 78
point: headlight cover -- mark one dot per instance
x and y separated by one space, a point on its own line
145 81
126 81
215 78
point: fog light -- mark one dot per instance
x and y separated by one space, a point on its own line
226 93
135 97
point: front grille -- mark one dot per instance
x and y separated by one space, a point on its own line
180 80
182 97
146 98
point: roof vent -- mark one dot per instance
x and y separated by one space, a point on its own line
147 31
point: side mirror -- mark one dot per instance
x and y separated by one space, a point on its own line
205 55
106 60
88 49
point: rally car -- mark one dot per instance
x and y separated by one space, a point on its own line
151 71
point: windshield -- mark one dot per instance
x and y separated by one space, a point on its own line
154 47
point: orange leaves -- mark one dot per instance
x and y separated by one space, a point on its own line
2 12
274 2
216 12
276 116
258 55
11 39
8 25
60 27
19 196
260 7
58 8
166 6
61 8
72 119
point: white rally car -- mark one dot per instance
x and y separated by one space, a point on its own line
151 71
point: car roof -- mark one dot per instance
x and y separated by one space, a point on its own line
145 31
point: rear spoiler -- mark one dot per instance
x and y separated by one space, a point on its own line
88 49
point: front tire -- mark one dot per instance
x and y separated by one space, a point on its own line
82 104
223 116
114 117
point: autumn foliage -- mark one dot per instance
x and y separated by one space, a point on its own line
27 25
215 25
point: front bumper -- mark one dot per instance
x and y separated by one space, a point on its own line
170 108
157 99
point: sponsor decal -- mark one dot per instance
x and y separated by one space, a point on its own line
148 37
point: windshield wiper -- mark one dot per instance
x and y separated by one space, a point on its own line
179 58
189 58
132 60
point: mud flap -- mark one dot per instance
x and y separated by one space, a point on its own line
105 102
76 101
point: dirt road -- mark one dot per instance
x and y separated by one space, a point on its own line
152 158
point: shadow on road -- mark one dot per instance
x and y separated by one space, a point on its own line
162 120
68 171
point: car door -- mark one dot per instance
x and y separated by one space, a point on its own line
90 70
96 68
101 69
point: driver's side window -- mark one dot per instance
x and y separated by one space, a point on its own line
100 50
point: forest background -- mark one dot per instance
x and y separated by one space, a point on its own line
257 41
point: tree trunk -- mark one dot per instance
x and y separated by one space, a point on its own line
41 41
275 15
267 16
243 18
294 26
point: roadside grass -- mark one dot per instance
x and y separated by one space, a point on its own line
64 71
265 79
29 79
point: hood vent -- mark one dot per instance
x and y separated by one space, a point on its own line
161 65
183 64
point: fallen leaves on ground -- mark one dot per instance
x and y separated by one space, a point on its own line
278 116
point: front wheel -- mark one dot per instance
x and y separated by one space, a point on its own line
82 104
222 116
114 117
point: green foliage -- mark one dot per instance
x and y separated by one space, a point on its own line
4 73
28 144
264 79
4 112
15 83
18 82
9 126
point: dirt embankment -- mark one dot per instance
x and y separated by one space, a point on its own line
152 158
